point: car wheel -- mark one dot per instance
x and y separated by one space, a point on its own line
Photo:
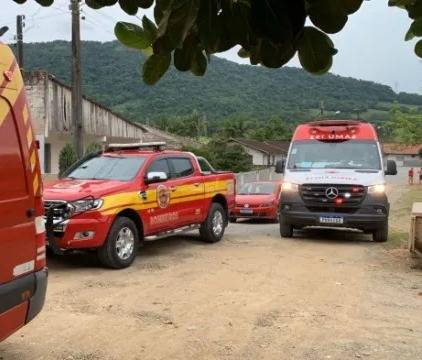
381 234
213 228
286 230
120 248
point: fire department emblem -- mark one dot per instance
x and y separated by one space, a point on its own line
163 196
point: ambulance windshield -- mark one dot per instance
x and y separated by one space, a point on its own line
351 154
108 168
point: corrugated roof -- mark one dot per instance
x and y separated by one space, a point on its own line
401 149
271 147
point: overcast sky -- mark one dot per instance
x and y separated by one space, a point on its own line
371 47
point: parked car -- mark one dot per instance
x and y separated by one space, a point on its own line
113 200
23 272
257 200
335 177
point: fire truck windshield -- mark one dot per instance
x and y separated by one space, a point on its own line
108 168
351 154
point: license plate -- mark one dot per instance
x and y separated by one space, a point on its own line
246 211
331 220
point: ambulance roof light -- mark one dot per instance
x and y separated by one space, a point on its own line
156 146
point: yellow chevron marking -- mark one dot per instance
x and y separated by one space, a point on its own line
25 114
29 137
36 184
33 160
115 203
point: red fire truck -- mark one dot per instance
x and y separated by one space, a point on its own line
112 201
23 273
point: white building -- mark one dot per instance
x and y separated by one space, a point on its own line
50 108
403 155
264 153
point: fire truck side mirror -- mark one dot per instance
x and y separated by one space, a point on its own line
155 177
279 167
391 168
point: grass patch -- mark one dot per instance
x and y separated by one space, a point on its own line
397 239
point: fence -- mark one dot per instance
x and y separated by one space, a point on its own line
258 175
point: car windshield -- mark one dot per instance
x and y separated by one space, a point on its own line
108 168
352 154
257 189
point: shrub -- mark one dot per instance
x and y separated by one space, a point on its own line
67 157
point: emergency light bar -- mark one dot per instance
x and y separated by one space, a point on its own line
324 123
156 146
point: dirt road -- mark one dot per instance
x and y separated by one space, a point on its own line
329 295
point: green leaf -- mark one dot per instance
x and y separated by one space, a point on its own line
145 4
329 15
351 6
98 4
183 57
273 56
244 54
20 1
155 67
150 28
199 63
129 6
147 52
132 35
316 51
177 21
416 27
418 48
45 2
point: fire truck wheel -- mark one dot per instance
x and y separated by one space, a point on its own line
212 229
286 230
120 248
381 234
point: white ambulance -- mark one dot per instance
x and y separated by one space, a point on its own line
334 176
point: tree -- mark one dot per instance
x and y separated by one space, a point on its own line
405 128
67 158
270 32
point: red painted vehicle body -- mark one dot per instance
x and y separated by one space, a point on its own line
262 205
23 273
179 201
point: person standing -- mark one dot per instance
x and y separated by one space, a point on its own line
410 174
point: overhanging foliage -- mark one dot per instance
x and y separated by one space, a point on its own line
270 32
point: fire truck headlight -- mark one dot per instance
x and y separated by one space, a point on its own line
80 206
376 189
290 187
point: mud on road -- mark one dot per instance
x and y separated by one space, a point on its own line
321 295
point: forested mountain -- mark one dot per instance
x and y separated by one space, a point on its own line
111 76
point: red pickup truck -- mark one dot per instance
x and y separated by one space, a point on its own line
111 201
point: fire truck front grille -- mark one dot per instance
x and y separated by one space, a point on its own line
59 209
332 195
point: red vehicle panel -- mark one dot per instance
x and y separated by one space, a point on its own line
257 200
23 274
180 195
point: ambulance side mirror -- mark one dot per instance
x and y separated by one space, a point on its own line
279 167
391 168
155 177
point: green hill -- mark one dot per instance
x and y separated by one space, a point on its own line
111 76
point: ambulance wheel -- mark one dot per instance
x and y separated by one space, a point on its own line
120 248
381 234
212 229
286 230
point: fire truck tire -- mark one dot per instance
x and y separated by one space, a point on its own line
286 230
381 234
120 248
213 228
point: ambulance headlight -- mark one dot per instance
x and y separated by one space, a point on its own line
376 189
290 187
80 206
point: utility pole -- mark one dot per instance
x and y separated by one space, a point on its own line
76 79
19 39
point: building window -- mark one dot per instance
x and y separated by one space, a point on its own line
47 158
